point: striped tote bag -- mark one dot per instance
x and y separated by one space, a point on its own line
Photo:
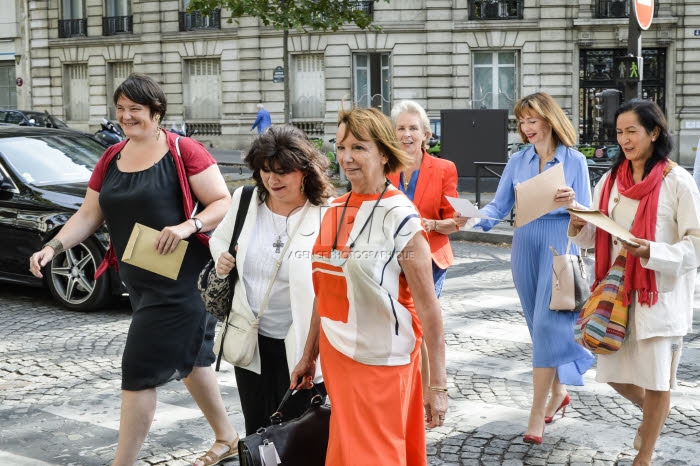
602 323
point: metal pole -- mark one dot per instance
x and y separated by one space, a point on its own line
633 90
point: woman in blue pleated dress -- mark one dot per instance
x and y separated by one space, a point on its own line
557 359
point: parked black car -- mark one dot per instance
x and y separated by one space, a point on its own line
30 118
43 179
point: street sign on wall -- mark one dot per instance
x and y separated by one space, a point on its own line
644 11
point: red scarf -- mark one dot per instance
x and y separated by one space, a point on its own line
637 278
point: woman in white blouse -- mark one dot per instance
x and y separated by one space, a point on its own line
659 203
292 187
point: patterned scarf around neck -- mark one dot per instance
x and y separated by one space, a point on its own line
637 278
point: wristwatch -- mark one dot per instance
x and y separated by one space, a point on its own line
198 224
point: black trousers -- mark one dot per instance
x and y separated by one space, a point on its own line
262 393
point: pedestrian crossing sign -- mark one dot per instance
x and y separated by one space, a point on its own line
628 69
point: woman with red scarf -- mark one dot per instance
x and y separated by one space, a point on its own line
659 203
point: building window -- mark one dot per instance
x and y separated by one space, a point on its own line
596 73
118 19
117 72
198 20
73 22
493 84
365 6
615 9
372 76
8 93
495 9
308 89
76 92
202 89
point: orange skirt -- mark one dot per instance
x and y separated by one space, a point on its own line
377 414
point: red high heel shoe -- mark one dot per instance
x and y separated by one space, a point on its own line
562 406
533 439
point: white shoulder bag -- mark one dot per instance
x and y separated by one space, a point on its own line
239 333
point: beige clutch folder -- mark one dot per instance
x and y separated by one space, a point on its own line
601 220
141 252
535 197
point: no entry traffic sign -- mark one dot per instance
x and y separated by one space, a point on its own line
644 10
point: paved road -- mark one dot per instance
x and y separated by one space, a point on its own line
59 387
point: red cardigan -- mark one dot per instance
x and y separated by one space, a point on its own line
437 179
195 159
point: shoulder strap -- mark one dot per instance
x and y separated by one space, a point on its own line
241 214
670 165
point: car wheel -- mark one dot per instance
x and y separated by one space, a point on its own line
71 278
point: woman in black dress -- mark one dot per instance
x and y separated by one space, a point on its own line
147 179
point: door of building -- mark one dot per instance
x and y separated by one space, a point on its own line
597 72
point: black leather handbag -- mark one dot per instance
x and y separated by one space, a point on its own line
299 442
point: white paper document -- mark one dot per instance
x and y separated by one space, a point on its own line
466 209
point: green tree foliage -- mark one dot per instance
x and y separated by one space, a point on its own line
302 15
299 15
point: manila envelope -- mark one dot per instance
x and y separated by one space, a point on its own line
601 220
141 252
535 197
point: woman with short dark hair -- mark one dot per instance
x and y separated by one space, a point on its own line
150 179
292 190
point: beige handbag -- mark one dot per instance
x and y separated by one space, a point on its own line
239 332
570 281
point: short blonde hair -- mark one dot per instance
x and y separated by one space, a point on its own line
544 106
370 123
409 106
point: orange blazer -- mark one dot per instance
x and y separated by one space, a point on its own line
437 179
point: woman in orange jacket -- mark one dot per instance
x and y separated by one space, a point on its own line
426 182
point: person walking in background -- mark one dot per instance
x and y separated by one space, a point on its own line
426 180
292 192
659 203
556 358
144 179
262 121
374 303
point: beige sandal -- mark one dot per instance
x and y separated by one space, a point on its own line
210 458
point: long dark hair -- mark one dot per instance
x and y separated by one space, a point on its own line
650 117
285 149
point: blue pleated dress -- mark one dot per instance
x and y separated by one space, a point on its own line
552 332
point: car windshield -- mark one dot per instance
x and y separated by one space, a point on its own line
51 159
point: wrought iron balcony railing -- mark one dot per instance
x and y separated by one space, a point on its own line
112 25
495 9
196 20
72 28
366 6
615 9
205 129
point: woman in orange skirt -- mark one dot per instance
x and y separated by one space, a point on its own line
375 302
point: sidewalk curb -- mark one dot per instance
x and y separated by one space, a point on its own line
483 237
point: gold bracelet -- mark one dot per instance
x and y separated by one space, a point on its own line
438 389
56 245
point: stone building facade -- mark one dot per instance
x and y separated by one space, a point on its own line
445 54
